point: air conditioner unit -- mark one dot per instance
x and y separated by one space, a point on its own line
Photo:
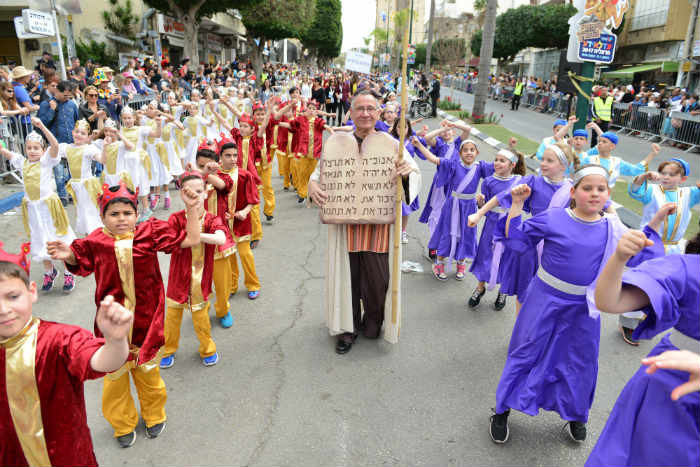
30 45
228 42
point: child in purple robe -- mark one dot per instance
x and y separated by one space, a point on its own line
552 361
445 145
460 178
509 167
407 209
516 270
652 423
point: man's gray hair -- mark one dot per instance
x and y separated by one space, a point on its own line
363 93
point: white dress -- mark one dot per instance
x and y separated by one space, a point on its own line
44 216
115 163
86 187
139 164
169 139
160 173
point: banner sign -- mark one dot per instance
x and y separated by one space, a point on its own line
356 61
590 30
600 49
38 22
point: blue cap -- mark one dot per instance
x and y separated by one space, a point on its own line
612 137
684 164
560 122
583 133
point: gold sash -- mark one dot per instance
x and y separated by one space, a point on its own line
112 153
246 150
231 202
146 163
132 134
74 155
163 155
23 393
212 200
31 175
310 150
57 211
196 297
263 151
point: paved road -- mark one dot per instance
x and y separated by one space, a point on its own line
536 125
281 396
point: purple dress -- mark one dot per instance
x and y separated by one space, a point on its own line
552 361
517 270
453 238
407 209
491 186
436 197
645 426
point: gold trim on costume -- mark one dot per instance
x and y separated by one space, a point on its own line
124 252
112 151
56 210
146 163
23 393
212 200
196 297
31 175
310 149
163 155
74 156
246 150
263 151
131 364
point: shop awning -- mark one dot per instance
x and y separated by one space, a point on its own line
630 71
666 67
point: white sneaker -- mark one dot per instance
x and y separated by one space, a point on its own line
404 237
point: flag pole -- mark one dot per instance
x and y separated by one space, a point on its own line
399 185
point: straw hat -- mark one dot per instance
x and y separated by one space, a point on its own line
20 72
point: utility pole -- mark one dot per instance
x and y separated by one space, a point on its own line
430 38
688 44
410 26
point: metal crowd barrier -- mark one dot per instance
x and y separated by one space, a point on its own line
13 133
685 129
140 101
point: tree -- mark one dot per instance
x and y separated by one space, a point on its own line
120 20
274 20
190 14
325 35
485 55
420 54
543 26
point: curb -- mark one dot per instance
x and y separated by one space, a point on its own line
630 218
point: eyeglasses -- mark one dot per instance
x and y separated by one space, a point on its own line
92 95
368 110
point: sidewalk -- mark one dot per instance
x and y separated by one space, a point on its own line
536 125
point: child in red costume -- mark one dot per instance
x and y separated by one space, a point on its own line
123 257
42 369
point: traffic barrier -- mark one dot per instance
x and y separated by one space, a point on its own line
140 101
13 131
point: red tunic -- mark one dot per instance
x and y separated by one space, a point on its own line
246 193
254 144
95 254
300 127
180 274
217 204
63 354
282 134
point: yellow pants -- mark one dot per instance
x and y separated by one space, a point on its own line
306 166
248 262
283 163
118 406
294 171
255 223
268 194
202 328
222 284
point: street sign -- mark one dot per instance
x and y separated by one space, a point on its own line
599 50
38 22
21 33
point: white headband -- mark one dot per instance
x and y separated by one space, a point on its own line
590 170
468 141
560 154
34 137
508 155
109 123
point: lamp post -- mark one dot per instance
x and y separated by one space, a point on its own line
410 26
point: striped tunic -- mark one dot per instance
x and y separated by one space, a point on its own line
368 237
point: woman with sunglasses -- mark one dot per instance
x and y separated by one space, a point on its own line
91 110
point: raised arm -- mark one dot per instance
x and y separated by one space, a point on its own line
655 149
221 119
519 193
563 131
53 142
474 219
429 156
217 238
192 201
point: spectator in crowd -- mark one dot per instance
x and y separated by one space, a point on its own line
91 110
59 115
20 77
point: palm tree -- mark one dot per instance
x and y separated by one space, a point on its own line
485 56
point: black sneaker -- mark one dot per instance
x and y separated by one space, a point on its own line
269 219
499 427
476 297
627 336
155 430
127 440
300 200
577 431
500 302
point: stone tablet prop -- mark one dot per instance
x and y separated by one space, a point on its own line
360 181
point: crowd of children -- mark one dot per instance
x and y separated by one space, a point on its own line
220 157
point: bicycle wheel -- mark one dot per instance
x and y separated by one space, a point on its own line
425 109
